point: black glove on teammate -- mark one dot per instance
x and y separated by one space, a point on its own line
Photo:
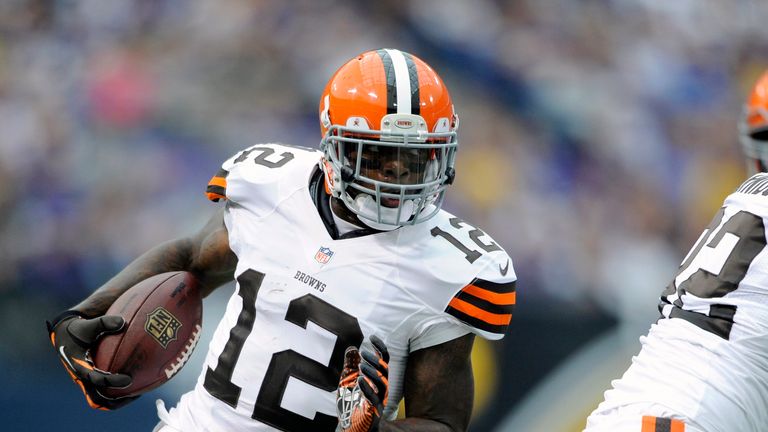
73 336
363 389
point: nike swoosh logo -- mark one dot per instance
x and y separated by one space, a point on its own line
66 359
504 270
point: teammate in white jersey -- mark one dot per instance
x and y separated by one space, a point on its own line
704 365
332 249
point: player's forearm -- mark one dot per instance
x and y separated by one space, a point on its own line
170 256
439 388
206 254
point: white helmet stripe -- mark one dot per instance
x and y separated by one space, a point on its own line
402 81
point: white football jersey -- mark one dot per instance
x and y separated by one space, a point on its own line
303 297
705 361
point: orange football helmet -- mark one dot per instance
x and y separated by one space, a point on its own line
389 138
753 128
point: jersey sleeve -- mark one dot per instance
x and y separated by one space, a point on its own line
436 331
482 306
487 302
259 177
462 274
217 186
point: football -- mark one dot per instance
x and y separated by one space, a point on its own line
163 317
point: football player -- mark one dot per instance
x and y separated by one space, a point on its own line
704 365
354 289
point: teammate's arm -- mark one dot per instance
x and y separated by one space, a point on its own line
206 254
439 388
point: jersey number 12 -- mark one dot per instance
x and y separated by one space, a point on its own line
284 364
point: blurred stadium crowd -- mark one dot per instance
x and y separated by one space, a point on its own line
597 137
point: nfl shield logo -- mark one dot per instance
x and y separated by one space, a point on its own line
323 255
162 326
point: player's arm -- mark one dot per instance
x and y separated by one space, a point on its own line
206 254
439 388
75 332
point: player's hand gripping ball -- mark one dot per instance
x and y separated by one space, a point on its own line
143 340
74 337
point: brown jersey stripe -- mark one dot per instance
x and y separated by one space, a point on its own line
222 173
215 189
500 288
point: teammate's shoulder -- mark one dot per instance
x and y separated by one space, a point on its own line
755 185
752 195
261 171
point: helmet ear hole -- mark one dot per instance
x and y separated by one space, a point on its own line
450 175
760 135
347 174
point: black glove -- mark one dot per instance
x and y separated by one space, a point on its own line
73 336
363 388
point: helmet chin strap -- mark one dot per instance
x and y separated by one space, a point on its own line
368 213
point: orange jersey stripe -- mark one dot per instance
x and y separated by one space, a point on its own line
476 312
677 426
214 196
649 424
496 298
218 181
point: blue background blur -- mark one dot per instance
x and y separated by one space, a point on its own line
597 139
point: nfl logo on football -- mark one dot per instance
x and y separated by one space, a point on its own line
323 255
